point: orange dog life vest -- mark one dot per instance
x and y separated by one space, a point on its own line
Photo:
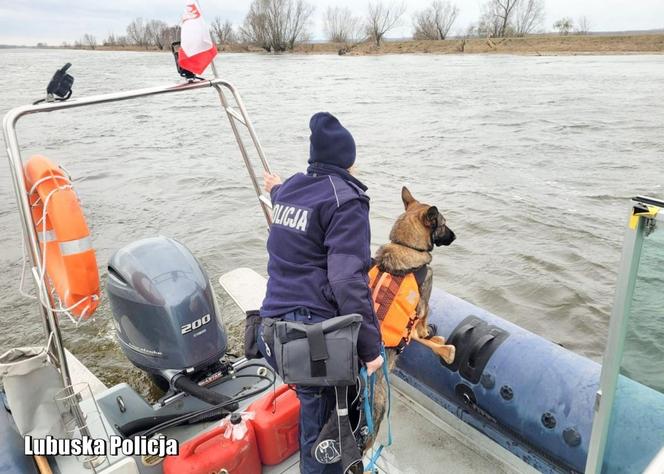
395 301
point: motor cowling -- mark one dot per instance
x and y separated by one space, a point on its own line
164 307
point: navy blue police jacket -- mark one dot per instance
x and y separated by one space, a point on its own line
319 251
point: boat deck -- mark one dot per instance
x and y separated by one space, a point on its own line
426 438
424 441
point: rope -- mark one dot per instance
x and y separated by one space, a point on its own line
369 385
44 179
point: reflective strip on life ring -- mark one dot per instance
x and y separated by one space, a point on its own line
48 236
75 246
71 264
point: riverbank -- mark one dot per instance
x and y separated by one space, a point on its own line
532 45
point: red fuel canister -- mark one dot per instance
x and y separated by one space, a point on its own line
276 424
213 452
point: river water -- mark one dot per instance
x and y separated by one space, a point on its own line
531 159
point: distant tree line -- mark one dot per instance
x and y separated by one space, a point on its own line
280 25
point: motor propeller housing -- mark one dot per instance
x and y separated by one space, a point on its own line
164 308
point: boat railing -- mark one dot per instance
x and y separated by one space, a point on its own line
236 114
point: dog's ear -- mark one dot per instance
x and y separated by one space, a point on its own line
406 197
431 216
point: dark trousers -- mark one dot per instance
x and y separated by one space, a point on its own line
316 404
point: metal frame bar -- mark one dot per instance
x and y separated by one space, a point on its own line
627 273
9 123
234 118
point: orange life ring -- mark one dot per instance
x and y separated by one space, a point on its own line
71 264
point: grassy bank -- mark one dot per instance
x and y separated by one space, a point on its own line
531 45
536 45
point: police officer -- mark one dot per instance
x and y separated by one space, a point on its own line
319 258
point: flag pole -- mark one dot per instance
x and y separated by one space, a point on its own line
213 66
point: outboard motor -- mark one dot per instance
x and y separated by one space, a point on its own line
166 316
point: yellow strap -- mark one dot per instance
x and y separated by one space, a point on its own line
650 213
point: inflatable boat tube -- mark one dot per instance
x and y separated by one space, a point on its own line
528 394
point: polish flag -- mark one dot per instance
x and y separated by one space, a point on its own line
197 50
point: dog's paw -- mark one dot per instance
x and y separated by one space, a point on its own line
451 353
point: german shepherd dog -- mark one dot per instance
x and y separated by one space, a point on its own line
412 239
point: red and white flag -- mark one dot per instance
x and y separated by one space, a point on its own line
197 50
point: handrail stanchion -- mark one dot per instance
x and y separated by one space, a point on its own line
243 118
49 319
245 155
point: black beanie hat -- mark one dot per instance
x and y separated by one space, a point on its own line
331 143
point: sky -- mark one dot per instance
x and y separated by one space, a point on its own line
27 22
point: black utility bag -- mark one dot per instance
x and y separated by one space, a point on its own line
251 325
319 355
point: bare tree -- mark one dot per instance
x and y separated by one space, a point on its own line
277 25
341 26
488 24
564 26
435 22
137 33
582 26
501 18
222 33
110 40
89 41
298 17
504 11
155 34
498 18
255 28
528 16
382 18
335 23
160 35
